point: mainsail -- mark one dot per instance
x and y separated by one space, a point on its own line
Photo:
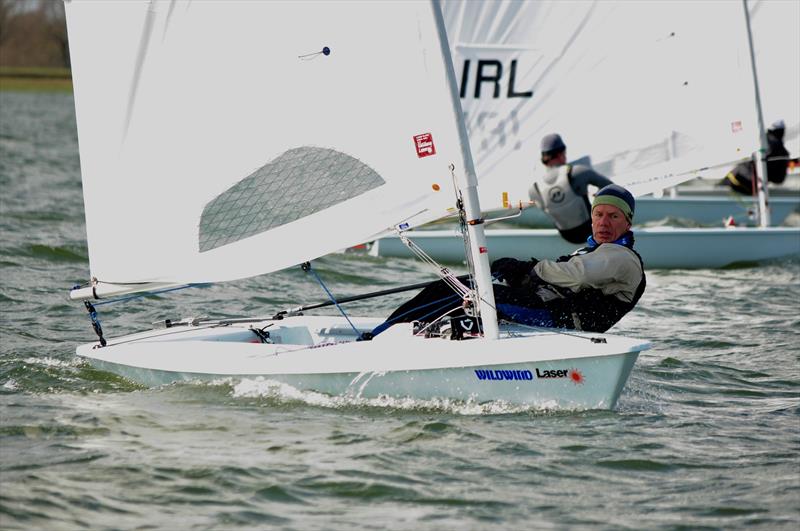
645 91
776 42
218 140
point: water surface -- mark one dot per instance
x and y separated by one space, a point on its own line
706 434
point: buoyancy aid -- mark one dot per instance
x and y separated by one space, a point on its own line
559 200
590 309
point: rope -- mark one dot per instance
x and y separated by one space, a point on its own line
389 322
140 295
95 322
444 273
470 296
462 225
556 331
93 312
307 267
445 314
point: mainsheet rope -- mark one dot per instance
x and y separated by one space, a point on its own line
98 329
140 295
450 279
307 267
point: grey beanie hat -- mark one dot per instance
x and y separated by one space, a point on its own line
552 142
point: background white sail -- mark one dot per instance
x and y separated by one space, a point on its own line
776 42
217 141
642 90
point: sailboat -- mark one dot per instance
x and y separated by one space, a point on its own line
298 130
627 84
688 208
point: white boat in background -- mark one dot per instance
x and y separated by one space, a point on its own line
698 202
669 120
712 187
324 124
660 247
530 68
710 211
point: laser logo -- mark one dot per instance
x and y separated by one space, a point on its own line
574 375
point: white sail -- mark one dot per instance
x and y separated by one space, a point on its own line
648 92
776 42
218 139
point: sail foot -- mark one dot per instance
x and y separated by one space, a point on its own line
106 290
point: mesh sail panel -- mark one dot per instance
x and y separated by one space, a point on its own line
296 184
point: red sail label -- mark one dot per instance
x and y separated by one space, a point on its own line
424 145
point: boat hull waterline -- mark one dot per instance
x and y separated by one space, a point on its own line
543 369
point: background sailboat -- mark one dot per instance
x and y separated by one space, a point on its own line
289 152
625 83
691 209
628 86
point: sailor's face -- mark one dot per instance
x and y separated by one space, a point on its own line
608 223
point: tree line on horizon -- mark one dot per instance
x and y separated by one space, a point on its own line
33 33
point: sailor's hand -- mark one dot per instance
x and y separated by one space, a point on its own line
511 270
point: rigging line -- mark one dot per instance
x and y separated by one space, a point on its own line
139 295
94 282
477 305
307 267
445 314
471 297
354 298
444 273
555 331
452 280
421 255
441 271
389 322
95 322
181 331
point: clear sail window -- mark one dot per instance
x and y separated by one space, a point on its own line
298 183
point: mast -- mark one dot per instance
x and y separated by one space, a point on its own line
477 238
761 160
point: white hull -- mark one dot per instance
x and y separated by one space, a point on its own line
660 247
319 354
710 187
711 210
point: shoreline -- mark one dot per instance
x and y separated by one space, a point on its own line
35 79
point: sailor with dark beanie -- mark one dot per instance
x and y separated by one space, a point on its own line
590 289
740 178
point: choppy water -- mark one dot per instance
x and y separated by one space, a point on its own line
706 434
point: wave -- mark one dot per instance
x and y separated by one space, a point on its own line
49 253
282 393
